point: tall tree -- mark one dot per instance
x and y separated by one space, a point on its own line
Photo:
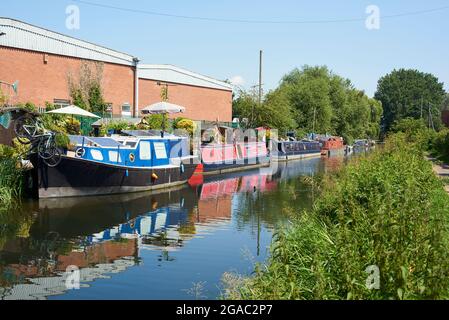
274 111
446 102
324 102
308 94
410 93
85 87
313 99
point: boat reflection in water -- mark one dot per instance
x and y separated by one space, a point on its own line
108 235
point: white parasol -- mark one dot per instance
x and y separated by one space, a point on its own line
74 111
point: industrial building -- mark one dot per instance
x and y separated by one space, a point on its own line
44 61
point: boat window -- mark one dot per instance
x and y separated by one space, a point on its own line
114 156
160 151
131 144
96 155
145 150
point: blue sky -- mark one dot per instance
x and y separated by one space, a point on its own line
226 50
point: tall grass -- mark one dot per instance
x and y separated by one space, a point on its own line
387 210
11 176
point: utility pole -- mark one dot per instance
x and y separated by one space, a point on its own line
260 77
260 87
421 106
431 118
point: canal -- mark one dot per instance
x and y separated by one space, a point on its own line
171 245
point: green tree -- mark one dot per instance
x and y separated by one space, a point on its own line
95 99
410 93
446 102
313 99
78 99
308 91
85 88
274 112
324 102
156 122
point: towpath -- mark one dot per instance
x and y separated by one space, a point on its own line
442 171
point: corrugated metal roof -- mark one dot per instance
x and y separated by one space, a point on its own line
25 36
170 73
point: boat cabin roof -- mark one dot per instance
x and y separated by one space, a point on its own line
148 134
116 141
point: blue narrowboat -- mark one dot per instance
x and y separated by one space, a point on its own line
295 150
136 162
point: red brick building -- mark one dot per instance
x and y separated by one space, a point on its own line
44 62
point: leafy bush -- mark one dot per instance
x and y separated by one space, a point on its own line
62 140
3 98
156 122
11 180
387 210
440 145
28 106
118 125
415 130
186 125
103 132
72 126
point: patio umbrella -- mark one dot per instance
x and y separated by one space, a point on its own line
163 108
74 111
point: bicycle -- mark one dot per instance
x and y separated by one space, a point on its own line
27 130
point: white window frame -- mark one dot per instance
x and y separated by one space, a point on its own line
113 155
96 155
159 152
145 150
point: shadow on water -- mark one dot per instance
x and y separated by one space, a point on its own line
151 246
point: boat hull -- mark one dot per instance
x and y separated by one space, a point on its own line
333 152
222 168
293 157
75 177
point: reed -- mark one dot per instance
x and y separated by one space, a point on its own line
386 210
11 180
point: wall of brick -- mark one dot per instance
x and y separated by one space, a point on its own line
200 103
42 82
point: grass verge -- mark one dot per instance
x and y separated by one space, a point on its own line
387 211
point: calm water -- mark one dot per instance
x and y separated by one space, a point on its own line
173 245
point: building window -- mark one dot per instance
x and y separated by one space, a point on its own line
126 110
61 103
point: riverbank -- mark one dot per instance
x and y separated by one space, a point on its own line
379 230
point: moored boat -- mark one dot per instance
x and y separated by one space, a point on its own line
224 158
98 166
225 150
294 150
332 146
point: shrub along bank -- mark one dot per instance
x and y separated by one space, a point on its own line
387 211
